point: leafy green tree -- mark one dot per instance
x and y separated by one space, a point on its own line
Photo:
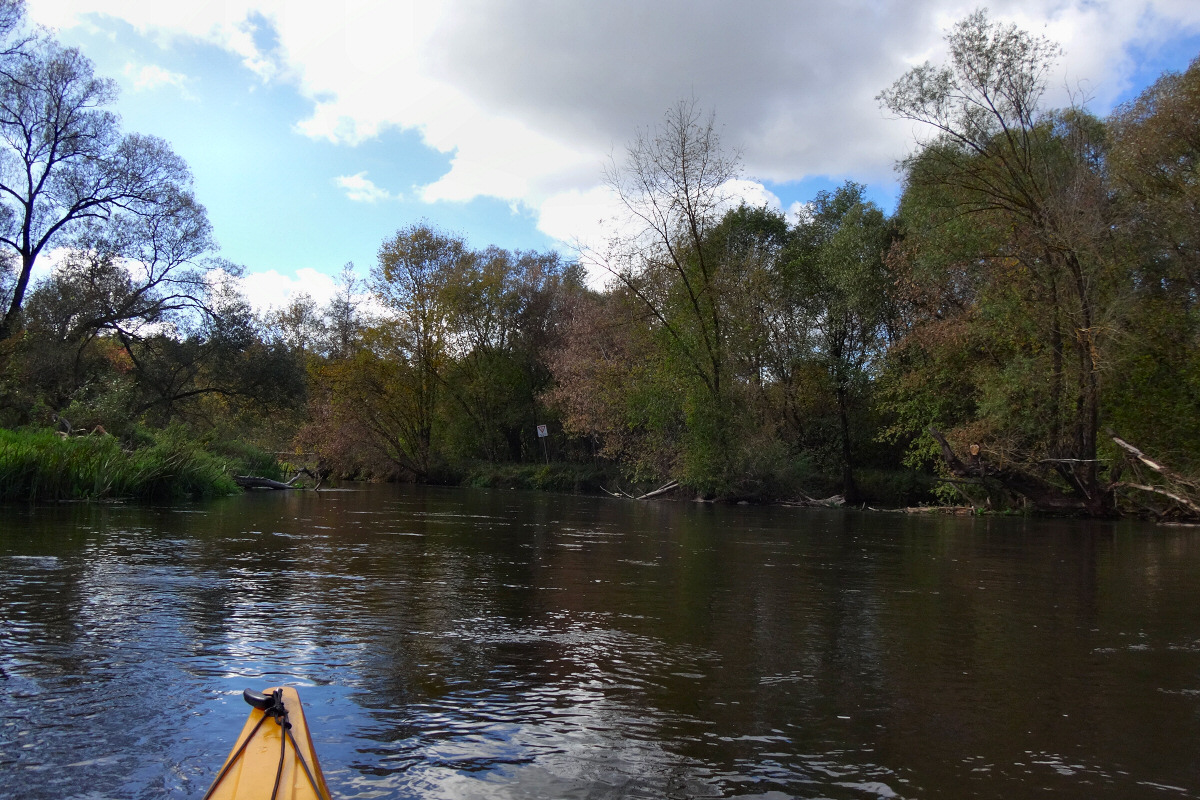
505 307
751 243
412 281
454 368
929 377
838 280
1152 160
373 411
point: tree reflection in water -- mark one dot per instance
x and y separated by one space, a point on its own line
459 644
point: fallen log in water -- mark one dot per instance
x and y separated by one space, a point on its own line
255 482
666 488
1074 494
954 511
804 501
1005 482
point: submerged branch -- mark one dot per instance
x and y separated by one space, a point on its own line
666 488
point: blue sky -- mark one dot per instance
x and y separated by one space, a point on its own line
315 131
271 193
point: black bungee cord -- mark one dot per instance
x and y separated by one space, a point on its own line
272 707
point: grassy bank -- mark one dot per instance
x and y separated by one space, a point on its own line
40 465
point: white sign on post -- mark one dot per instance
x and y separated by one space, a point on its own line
543 431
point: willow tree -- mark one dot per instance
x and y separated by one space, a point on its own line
1034 178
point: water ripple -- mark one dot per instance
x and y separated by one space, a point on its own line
466 645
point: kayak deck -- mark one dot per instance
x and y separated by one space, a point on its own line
274 758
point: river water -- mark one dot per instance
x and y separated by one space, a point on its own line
460 644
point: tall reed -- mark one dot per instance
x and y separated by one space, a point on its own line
41 465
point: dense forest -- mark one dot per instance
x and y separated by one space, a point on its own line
1020 333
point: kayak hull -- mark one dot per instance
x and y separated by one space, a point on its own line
274 758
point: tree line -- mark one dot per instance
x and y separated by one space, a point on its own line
1033 295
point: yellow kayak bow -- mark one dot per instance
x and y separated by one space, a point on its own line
274 757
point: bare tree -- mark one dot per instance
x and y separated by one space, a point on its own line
673 183
343 317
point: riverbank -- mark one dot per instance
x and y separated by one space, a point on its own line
552 477
42 465
891 489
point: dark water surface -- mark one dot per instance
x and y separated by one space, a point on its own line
457 644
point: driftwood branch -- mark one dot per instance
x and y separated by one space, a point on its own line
256 482
1158 467
670 486
1182 490
833 501
1183 501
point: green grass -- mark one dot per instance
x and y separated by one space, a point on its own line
40 465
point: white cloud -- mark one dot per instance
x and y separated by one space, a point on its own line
531 98
747 192
361 189
584 219
234 26
797 211
149 77
270 289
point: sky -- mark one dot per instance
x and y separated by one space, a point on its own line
316 130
